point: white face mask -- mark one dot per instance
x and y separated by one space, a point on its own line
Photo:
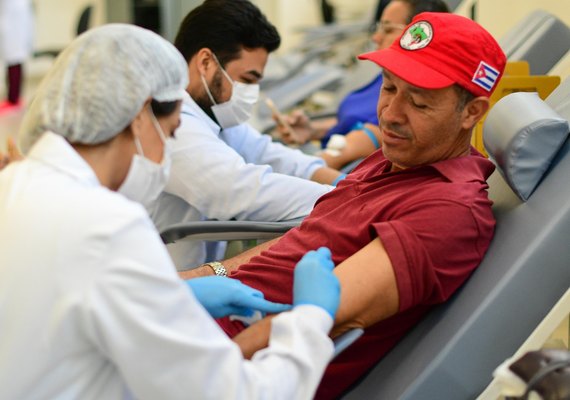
239 107
146 179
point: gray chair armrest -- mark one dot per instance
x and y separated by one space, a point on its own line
226 230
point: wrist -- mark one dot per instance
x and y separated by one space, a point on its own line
217 268
361 127
339 178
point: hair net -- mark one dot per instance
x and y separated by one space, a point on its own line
100 82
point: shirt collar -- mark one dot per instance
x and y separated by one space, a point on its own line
189 106
465 169
53 150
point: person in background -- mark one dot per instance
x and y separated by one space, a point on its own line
16 41
357 116
222 168
411 223
91 306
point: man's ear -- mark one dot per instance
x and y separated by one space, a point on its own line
204 60
474 111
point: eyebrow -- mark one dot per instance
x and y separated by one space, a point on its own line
411 88
387 74
255 74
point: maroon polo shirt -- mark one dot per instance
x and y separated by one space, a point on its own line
434 221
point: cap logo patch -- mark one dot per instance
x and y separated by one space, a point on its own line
417 36
485 76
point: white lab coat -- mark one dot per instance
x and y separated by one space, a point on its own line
237 173
91 306
16 31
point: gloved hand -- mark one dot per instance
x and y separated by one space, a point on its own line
223 296
315 283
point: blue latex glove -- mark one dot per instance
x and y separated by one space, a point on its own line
223 296
315 283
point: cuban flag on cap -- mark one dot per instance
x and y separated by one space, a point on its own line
485 76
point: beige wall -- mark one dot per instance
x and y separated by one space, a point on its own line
291 16
498 16
56 20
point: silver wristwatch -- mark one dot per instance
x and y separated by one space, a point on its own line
218 268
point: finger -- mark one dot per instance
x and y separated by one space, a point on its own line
248 289
324 252
292 119
13 152
243 311
264 305
297 113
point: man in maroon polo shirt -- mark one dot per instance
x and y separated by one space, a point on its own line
412 222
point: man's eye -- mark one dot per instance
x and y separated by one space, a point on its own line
388 88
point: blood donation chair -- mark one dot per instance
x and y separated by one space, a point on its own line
452 353
540 38
516 78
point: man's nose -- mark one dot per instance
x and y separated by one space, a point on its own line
392 111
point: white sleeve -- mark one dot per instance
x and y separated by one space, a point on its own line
257 148
213 178
164 344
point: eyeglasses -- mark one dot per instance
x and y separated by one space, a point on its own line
388 27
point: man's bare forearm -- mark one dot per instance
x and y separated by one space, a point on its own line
325 175
254 338
230 264
233 263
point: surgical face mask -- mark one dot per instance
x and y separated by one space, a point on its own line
239 107
146 179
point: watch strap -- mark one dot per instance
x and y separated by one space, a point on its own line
218 268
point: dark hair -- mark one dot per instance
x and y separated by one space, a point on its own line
464 96
420 6
163 108
225 27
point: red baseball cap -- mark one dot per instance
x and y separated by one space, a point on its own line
437 50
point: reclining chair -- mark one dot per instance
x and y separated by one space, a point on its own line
541 38
452 353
